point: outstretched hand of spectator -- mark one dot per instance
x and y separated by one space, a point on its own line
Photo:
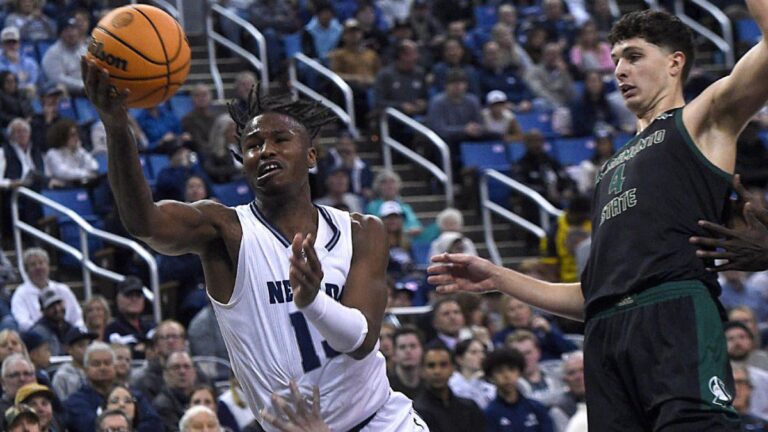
297 418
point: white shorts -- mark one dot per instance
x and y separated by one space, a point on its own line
397 415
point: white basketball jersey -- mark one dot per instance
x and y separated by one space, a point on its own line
270 342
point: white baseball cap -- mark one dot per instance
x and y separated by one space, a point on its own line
495 96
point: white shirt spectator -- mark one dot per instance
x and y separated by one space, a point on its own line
475 388
25 304
67 165
27 163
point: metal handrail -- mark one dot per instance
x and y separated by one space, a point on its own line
653 4
725 42
444 175
260 63
546 210
82 255
174 11
346 114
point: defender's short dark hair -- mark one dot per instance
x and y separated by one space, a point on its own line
658 28
501 357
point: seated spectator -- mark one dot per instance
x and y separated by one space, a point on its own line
51 95
451 11
25 68
535 40
564 407
588 169
141 418
428 32
498 118
52 326
96 315
198 418
386 187
39 354
563 238
70 376
450 222
113 420
511 54
337 192
590 52
66 160
535 383
493 75
199 122
99 135
25 303
386 343
454 57
61 62
123 359
400 32
550 79
746 315
543 173
205 395
602 16
402 85
83 405
372 23
405 375
738 291
742 399
232 410
13 103
322 32
244 82
172 180
129 327
41 399
344 155
738 345
511 410
440 408
205 336
559 25
400 263
741 346
520 316
29 18
447 320
593 111
11 343
218 162
21 418
17 371
163 129
467 382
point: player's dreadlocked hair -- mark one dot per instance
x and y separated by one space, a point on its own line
310 113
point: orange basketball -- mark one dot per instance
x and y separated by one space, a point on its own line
145 51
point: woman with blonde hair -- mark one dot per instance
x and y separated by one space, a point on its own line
96 315
218 162
10 343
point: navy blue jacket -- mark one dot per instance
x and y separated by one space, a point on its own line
525 415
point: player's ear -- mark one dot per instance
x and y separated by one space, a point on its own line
677 62
312 156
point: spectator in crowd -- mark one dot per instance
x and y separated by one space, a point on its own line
344 155
405 376
590 52
21 418
51 96
511 410
493 75
163 129
17 371
52 326
129 327
322 32
97 315
386 343
357 65
592 111
70 376
450 222
199 122
541 172
402 85
244 81
39 354
467 382
428 32
559 26
511 54
113 420
218 162
10 343
746 316
338 193
142 418
602 17
199 418
28 17
41 399
232 410
437 404
550 79
25 303
204 335
737 291
498 118
454 57
535 40
205 395
172 180
447 320
386 186
25 68
13 103
61 63
535 383
742 399
66 160
399 32
273 18
559 247
83 405
520 316
401 262
507 14
741 346
588 168
450 11
566 405
123 359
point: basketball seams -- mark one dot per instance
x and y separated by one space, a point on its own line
126 45
162 44
153 77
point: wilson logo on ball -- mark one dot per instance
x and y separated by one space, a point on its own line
96 49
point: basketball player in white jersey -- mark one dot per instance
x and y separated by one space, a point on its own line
299 291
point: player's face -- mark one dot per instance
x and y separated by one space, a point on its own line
277 153
437 369
644 73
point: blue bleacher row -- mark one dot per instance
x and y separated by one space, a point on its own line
83 112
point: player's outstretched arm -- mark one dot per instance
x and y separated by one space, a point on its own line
460 272
169 227
745 247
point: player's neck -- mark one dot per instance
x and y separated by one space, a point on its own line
290 216
664 103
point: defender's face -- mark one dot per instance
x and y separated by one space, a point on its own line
642 73
277 153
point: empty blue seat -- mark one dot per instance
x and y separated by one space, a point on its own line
515 150
484 155
86 112
101 158
485 16
67 109
292 44
420 252
541 120
748 31
571 151
76 199
156 164
181 105
234 193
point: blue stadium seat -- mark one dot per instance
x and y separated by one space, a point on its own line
156 164
76 199
234 193
67 109
485 16
515 151
498 192
101 158
748 31
541 120
420 252
181 104
484 155
86 113
292 44
41 47
621 139
28 50
571 151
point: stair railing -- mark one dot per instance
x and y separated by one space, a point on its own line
723 43
174 11
546 210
